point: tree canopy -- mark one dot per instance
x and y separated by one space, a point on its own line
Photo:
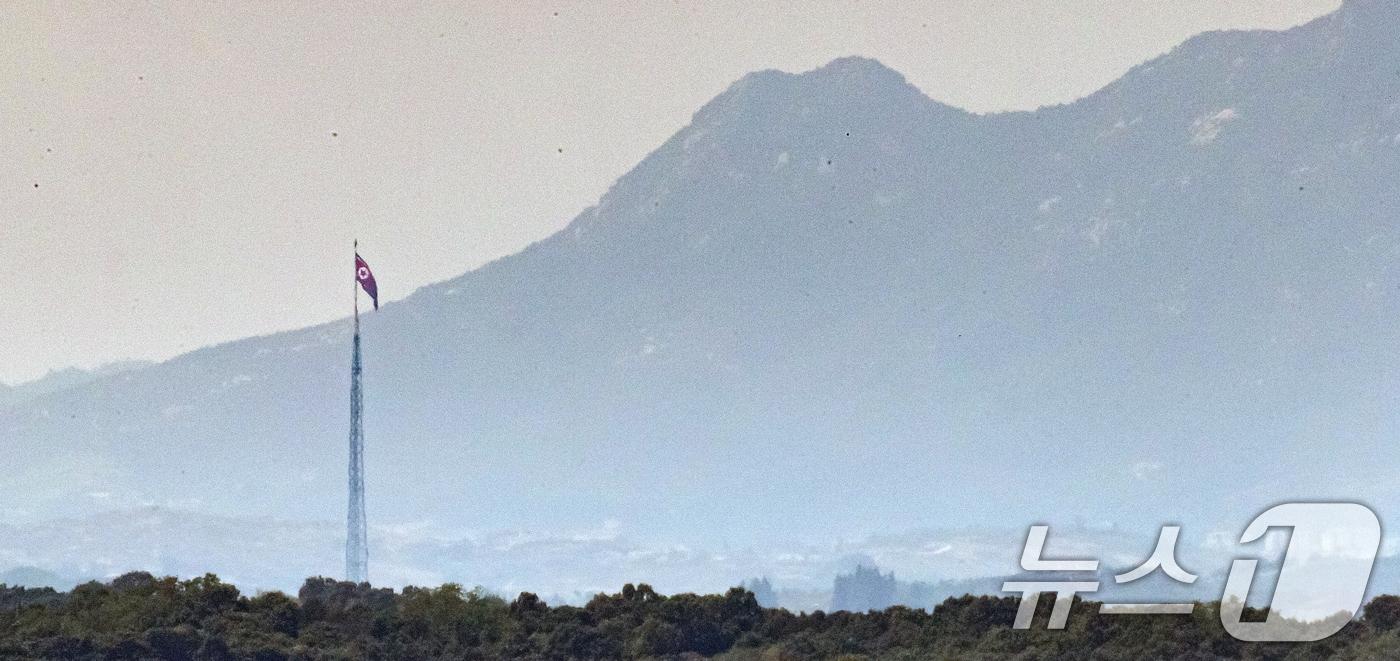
140 616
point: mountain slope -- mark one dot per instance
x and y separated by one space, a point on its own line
63 379
831 305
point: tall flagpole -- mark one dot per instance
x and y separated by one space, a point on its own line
356 536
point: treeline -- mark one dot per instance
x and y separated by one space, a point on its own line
138 616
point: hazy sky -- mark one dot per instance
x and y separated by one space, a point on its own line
180 174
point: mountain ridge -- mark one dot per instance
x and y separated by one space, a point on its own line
831 304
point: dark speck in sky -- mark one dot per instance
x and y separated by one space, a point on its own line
334 134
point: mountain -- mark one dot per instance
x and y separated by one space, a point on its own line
832 306
68 377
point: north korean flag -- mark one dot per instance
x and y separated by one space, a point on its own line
366 279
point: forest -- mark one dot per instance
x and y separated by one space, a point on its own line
140 616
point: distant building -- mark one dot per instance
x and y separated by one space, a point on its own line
762 590
865 589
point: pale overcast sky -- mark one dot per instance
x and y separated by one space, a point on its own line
178 174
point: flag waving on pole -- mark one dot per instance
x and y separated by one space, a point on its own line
366 279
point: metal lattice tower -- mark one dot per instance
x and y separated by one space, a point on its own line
356 537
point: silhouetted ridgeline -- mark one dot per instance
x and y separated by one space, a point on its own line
138 616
